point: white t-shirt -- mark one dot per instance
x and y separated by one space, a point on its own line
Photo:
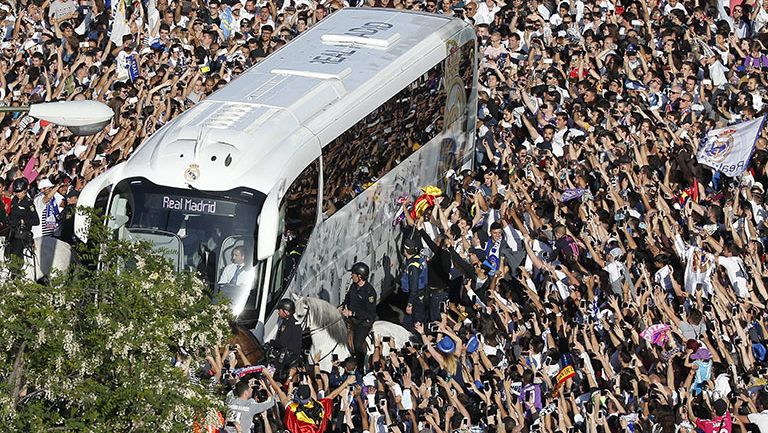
699 266
760 419
734 267
485 14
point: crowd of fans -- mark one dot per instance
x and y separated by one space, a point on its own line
599 279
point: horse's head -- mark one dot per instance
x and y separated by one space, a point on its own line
315 315
302 309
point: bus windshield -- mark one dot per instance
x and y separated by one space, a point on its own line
210 233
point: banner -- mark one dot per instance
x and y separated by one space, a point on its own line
226 22
133 67
566 373
729 149
120 27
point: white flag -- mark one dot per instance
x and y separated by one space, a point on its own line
120 27
729 149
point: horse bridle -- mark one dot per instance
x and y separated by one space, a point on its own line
310 332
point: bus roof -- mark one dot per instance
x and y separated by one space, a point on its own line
288 105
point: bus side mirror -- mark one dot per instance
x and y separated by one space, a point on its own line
269 223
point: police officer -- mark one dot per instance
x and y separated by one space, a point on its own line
287 342
416 310
23 217
359 307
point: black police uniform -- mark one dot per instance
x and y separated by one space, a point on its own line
289 335
288 343
361 301
23 217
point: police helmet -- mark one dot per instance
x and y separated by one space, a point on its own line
20 185
287 305
361 269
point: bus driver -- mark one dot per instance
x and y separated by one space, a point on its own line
237 273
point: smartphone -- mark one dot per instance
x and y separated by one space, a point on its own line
17 93
408 344
383 402
707 308
548 61
84 45
232 348
385 339
486 384
637 23
334 358
205 69
433 327
583 303
465 422
548 360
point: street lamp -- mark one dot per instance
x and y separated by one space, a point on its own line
81 117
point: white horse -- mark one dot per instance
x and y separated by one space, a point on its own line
328 330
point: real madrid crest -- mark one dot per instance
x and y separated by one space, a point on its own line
192 173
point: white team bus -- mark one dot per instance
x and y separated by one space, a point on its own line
299 161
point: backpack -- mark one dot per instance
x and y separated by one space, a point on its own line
405 285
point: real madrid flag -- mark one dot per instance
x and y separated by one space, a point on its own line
729 149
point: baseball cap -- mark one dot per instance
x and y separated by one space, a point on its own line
479 253
720 407
45 183
303 393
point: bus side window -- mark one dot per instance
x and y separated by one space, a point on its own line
384 138
102 200
298 211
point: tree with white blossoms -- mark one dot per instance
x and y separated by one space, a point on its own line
92 350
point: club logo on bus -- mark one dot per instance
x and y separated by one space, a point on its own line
368 29
192 173
335 56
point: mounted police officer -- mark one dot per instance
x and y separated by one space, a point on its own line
23 217
359 307
412 282
287 342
